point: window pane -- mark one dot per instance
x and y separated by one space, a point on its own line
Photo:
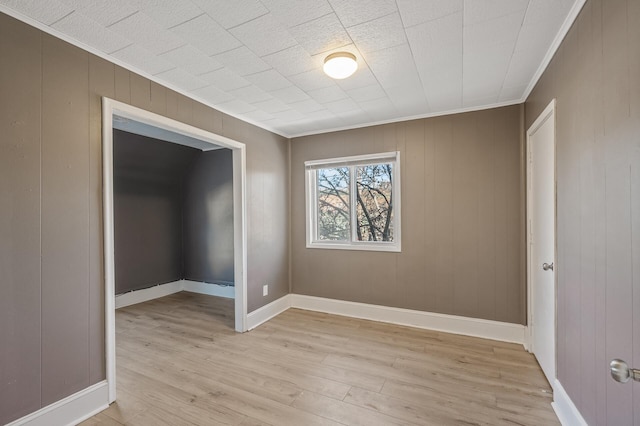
333 204
374 212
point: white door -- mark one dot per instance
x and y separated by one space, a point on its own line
541 198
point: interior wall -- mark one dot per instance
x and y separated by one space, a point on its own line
52 289
149 179
462 218
208 218
595 78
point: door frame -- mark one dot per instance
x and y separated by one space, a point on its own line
549 113
112 107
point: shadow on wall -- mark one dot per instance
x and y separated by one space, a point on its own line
173 213
208 219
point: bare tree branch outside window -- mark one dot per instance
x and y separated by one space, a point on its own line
373 198
375 202
334 223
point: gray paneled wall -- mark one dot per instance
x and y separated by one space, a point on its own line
149 177
52 279
208 218
462 210
595 77
173 213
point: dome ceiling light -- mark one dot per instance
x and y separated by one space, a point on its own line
340 65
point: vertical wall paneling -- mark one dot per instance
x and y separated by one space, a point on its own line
121 81
20 305
595 77
51 187
65 220
443 216
207 218
461 215
465 214
101 83
486 224
410 267
633 35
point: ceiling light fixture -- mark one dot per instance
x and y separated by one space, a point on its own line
340 65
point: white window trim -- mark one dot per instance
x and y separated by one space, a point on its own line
311 211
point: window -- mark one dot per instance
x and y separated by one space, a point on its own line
353 203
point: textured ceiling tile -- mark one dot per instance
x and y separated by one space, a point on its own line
250 94
147 34
289 94
143 60
271 106
484 10
242 61
521 68
82 28
182 79
168 13
437 49
213 95
236 106
479 101
328 94
257 115
406 99
46 12
307 106
367 93
342 105
416 12
362 77
288 115
494 31
293 60
295 12
538 13
321 35
269 80
354 12
512 93
322 115
384 65
191 60
378 34
377 108
312 80
224 79
231 13
263 35
207 35
104 12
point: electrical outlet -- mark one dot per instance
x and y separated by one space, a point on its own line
265 289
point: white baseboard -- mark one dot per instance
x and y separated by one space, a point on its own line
139 296
475 327
70 410
269 311
228 291
494 330
146 294
566 411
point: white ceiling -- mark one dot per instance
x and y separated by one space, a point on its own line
261 60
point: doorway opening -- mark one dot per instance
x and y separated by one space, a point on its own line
186 140
541 241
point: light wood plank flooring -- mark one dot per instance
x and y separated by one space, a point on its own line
179 362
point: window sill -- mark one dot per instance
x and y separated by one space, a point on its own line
393 248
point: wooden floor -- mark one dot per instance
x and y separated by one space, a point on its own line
179 362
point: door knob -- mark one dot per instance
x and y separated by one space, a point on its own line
547 266
621 372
